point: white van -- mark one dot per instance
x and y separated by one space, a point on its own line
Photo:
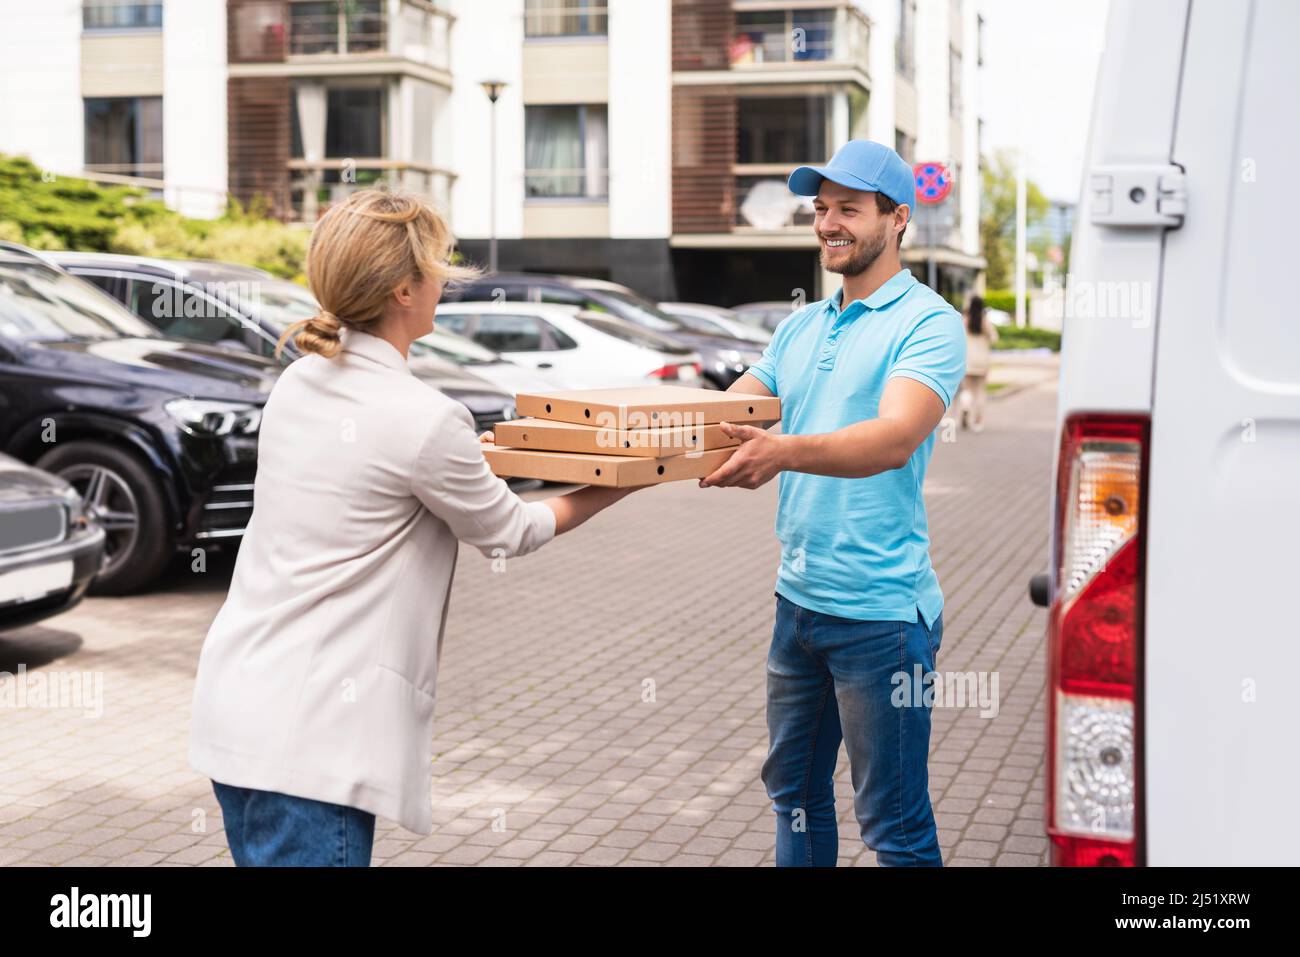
1172 734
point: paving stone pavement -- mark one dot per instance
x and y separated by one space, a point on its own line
601 702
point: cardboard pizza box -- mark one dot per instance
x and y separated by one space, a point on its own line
615 471
551 436
648 407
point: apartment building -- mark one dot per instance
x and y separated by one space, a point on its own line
648 141
644 141
124 90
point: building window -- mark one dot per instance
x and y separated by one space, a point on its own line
565 18
905 42
119 15
330 26
354 122
786 129
954 82
905 146
124 136
566 151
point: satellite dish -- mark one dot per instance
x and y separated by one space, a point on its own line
769 204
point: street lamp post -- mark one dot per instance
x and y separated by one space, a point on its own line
493 90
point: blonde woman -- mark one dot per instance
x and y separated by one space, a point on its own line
313 704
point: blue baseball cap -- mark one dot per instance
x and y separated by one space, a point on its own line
861 164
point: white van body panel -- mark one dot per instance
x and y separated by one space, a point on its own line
1223 520
1109 329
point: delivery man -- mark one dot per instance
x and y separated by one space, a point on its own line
864 378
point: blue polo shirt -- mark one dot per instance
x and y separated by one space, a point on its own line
860 548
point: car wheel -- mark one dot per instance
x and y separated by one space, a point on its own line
125 500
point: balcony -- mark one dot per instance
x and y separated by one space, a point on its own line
339 36
315 185
762 42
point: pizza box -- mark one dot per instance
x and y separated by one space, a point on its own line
642 443
615 471
648 407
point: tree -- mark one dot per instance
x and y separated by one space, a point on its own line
998 216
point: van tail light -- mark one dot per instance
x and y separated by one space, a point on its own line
1095 797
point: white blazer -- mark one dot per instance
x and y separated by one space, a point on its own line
317 676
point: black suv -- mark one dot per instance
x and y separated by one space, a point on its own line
723 358
242 309
158 436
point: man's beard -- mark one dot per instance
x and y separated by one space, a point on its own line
860 263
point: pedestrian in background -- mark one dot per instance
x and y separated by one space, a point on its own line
980 336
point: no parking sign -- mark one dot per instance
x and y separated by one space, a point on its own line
933 182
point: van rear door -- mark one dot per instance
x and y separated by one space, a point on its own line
1223 519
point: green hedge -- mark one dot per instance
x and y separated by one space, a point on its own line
64 213
1011 337
1003 299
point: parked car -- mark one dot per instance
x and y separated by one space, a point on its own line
486 364
243 309
723 359
160 434
715 320
51 546
1170 725
587 349
764 315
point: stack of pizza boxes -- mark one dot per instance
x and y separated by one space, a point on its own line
623 437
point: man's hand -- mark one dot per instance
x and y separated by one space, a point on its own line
759 457
487 438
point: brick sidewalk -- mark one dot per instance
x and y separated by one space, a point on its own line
627 732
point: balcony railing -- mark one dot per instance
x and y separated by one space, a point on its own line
326 30
352 26
766 38
315 185
139 170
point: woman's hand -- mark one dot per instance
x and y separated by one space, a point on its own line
487 438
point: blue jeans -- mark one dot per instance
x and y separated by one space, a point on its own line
269 829
831 679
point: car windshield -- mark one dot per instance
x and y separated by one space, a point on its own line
280 304
641 311
41 304
698 323
627 332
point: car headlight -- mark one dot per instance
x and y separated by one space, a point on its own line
208 417
731 356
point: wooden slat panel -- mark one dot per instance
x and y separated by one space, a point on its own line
258 137
704 149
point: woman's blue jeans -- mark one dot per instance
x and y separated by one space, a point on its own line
269 829
831 679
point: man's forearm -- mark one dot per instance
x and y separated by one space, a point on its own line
855 451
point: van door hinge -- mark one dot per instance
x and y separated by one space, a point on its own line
1136 195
